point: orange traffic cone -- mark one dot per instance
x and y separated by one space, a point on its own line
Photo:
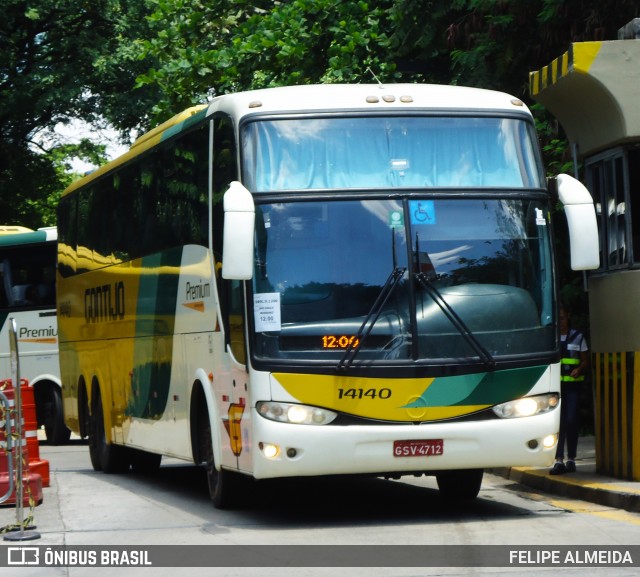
30 430
31 481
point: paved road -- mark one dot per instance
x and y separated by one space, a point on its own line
83 508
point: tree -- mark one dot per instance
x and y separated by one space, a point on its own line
205 48
48 49
200 48
134 63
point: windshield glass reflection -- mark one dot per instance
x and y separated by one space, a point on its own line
460 279
390 152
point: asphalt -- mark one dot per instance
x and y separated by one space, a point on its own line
585 484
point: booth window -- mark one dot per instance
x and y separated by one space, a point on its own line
608 178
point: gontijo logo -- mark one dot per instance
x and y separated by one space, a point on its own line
104 303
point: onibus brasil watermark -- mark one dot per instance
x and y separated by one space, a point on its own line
321 556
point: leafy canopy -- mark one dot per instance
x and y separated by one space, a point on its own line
134 63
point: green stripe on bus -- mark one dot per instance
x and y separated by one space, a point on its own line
21 238
184 125
480 389
156 311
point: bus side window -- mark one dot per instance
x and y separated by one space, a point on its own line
236 320
5 285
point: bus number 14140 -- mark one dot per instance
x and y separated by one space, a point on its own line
364 393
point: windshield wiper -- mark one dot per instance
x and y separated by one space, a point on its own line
455 319
372 316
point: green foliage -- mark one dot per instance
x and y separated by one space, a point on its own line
216 47
27 181
555 147
48 49
135 63
33 181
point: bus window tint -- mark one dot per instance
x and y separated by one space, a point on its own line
328 262
163 198
398 152
28 276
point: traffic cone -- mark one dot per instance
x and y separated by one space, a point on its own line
30 431
31 482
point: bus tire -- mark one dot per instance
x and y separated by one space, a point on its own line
108 457
223 485
88 429
54 427
463 485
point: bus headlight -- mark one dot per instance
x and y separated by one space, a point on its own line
296 414
527 406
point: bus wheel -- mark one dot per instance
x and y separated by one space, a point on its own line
54 427
222 484
108 457
461 485
90 429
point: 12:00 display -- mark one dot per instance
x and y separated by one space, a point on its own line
339 341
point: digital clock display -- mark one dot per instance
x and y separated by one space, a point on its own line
331 343
339 341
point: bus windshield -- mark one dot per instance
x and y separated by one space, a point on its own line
409 278
398 152
27 274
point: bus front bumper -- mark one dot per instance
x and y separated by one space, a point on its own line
286 450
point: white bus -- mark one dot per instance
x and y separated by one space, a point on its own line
319 280
27 294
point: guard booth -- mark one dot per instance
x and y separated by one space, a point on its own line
594 92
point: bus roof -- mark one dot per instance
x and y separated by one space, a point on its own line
28 236
363 97
13 229
376 98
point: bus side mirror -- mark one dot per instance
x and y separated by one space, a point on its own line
583 226
239 223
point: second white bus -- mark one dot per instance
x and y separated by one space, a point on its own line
27 294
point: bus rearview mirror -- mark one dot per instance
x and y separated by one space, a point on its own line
581 218
239 223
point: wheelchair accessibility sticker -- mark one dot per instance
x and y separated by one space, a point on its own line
422 211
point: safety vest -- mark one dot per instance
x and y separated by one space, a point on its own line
571 347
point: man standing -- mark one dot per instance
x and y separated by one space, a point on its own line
574 366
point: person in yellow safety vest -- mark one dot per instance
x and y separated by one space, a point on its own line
573 368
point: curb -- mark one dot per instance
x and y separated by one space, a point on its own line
583 486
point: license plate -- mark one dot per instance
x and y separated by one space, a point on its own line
417 448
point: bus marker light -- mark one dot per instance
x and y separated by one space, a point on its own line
269 450
549 441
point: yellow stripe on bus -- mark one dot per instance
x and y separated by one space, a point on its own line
384 399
